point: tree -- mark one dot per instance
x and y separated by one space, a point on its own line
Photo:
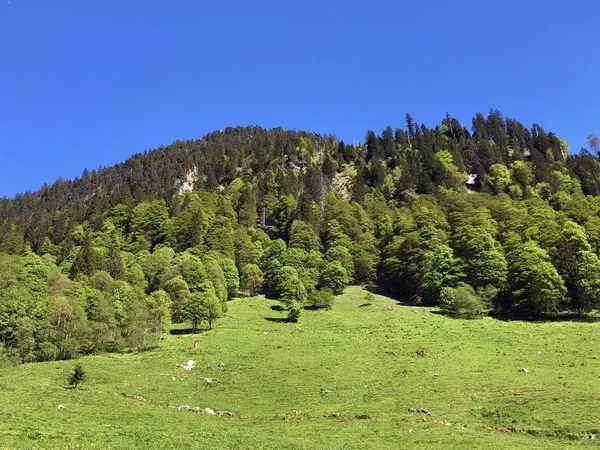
334 277
191 223
179 293
114 262
156 265
192 270
251 279
594 142
303 236
585 295
440 269
77 376
67 327
535 287
204 305
283 213
12 242
484 262
150 224
341 255
216 277
159 309
232 277
220 237
498 179
270 263
212 307
291 290
85 262
244 249
336 235
579 267
402 263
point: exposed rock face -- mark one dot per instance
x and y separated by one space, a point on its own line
187 184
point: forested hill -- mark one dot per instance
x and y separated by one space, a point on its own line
496 218
400 163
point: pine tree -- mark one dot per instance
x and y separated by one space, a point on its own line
78 376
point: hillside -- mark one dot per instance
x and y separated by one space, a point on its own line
499 220
281 383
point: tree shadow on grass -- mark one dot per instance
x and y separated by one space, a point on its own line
278 319
182 331
400 300
563 317
316 308
277 308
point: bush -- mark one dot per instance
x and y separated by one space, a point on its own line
464 302
321 299
294 310
8 358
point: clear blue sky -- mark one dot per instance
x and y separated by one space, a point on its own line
89 83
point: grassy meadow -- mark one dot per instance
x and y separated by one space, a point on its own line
281 383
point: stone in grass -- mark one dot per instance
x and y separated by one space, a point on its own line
363 417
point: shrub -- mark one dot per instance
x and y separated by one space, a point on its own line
321 299
77 376
464 302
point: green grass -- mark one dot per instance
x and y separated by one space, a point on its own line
378 360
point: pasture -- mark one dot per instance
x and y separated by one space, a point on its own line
354 377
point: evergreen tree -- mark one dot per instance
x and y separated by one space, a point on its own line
78 376
85 262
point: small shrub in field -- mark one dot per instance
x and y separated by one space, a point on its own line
421 351
369 297
77 376
464 302
294 310
321 299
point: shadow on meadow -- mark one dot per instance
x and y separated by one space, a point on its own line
400 301
501 315
561 317
278 319
183 331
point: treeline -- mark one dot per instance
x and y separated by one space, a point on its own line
500 219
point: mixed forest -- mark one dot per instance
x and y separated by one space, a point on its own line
496 219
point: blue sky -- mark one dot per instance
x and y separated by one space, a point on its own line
89 83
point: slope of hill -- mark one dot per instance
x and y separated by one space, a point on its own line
498 220
284 385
